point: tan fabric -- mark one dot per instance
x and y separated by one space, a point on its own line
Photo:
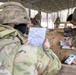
7 32
28 60
17 59
38 16
15 13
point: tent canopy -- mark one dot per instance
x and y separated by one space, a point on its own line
47 5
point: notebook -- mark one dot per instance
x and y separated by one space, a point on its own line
36 36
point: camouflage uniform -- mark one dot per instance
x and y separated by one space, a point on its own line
17 59
28 60
57 22
36 20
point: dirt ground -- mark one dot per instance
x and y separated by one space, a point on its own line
54 37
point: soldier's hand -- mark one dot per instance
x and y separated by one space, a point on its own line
46 43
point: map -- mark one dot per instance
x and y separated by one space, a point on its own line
36 36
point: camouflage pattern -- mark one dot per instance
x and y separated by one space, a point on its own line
13 13
36 20
28 60
7 32
17 59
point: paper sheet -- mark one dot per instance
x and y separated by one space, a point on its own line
63 43
36 36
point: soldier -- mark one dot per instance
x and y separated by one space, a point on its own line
15 14
17 59
36 20
28 60
57 22
72 18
